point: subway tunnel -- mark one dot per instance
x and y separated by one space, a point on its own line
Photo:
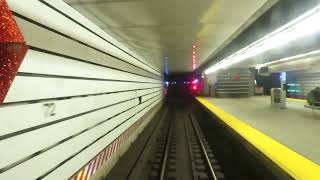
159 89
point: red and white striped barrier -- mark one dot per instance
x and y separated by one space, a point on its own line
86 172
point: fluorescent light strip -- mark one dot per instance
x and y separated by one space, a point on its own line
303 25
292 58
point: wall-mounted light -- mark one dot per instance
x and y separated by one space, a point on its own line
305 24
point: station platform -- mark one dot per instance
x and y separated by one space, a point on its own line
289 137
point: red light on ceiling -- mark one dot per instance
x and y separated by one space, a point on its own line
194 87
193 57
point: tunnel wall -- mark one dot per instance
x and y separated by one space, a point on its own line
78 96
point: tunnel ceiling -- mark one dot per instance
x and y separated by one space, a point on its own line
155 29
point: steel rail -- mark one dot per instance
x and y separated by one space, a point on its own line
213 174
164 161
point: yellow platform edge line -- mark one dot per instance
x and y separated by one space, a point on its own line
290 161
298 100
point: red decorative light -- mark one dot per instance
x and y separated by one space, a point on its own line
194 87
193 57
12 49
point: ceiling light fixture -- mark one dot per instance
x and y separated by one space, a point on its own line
291 58
305 24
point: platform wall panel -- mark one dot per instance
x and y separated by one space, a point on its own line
77 91
24 87
53 157
37 62
61 18
52 134
66 108
92 150
72 48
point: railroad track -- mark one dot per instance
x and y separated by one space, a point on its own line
176 149
204 163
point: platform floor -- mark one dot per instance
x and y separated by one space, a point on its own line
294 127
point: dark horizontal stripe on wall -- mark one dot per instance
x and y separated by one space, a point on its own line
16 133
85 61
6 168
79 78
78 41
70 97
77 22
86 147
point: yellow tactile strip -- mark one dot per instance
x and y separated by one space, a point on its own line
298 100
293 163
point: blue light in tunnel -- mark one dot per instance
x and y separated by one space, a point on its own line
166 65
